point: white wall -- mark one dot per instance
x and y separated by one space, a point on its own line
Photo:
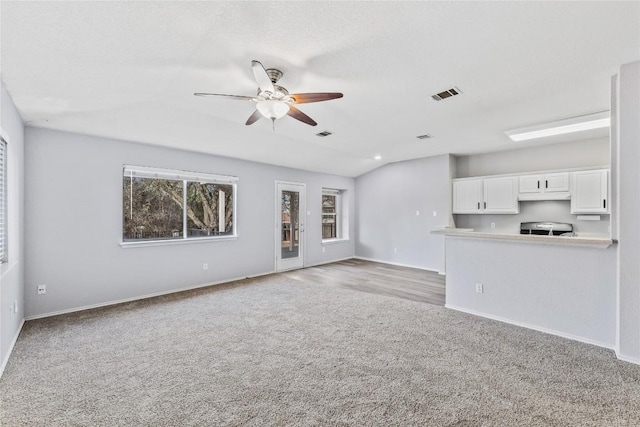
628 199
568 291
387 199
567 155
11 273
74 219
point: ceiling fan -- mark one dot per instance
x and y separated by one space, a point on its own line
273 101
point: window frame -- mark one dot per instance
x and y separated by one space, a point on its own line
338 194
185 177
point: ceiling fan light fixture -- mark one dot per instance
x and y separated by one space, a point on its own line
273 109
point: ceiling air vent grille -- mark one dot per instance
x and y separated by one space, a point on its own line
446 94
324 133
425 136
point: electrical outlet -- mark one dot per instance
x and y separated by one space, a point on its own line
493 225
479 288
395 250
42 289
435 213
323 249
205 266
15 307
417 213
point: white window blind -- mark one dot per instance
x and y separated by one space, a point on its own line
3 200
147 172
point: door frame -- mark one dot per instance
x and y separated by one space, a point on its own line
278 225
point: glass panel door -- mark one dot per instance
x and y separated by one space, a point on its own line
290 227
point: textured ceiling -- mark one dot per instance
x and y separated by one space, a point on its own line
128 70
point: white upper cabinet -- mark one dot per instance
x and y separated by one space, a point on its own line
488 195
467 196
501 195
547 183
590 191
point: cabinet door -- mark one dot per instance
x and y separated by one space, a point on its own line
530 183
556 182
467 196
589 191
501 195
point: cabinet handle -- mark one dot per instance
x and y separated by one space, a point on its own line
546 184
538 184
604 203
485 205
478 205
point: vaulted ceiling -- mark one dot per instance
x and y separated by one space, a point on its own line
128 70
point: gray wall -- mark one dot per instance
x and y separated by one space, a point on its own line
569 291
568 155
628 199
388 198
74 217
11 274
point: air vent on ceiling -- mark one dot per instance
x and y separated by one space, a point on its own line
425 136
324 133
446 94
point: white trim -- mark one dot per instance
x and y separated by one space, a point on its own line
334 241
396 263
141 297
10 349
169 242
329 262
533 327
177 175
627 359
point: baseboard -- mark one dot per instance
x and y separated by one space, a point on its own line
534 327
628 359
10 350
328 262
141 297
396 263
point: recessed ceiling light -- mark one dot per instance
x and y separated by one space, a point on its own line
561 127
377 157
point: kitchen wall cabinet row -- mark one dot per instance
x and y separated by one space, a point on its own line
587 189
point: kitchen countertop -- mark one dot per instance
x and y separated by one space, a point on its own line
594 241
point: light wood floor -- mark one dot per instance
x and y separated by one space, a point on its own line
377 278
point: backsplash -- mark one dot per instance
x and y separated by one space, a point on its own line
551 210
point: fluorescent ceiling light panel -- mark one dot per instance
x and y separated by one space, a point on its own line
561 127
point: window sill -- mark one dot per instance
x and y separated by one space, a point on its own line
151 243
334 241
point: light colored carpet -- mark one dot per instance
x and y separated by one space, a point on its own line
276 351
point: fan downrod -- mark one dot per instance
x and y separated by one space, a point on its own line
274 74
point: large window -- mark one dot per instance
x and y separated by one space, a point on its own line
331 219
3 201
160 204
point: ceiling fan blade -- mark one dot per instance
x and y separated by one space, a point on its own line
303 98
263 80
239 97
254 118
299 115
